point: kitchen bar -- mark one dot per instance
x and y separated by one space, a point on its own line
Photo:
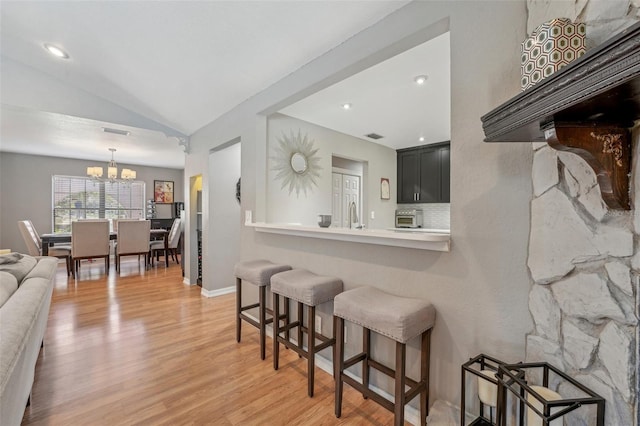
418 239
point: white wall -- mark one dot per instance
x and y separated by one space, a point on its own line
283 207
223 250
480 288
25 190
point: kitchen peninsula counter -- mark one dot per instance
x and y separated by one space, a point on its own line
437 240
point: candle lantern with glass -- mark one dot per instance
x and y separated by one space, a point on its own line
485 369
545 396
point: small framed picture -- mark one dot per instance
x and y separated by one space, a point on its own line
163 191
385 191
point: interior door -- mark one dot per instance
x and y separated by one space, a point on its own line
350 194
336 197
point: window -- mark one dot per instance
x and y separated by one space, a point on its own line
84 198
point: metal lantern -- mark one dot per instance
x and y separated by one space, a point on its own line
534 387
485 369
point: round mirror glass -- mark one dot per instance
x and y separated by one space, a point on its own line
298 163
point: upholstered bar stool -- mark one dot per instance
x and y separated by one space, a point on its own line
258 273
399 318
309 290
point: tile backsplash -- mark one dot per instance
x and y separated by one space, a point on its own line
435 215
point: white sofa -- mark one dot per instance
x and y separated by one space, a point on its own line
26 285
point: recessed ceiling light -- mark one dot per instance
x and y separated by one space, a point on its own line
56 51
421 138
421 79
346 106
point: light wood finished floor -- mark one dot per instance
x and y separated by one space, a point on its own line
143 348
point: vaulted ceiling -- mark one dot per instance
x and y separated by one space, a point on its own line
160 70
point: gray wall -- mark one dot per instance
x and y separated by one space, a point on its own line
283 207
223 230
480 288
25 190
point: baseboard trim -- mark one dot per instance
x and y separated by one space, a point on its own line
411 414
218 292
186 281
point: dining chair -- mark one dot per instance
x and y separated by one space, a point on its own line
89 240
133 239
34 244
173 241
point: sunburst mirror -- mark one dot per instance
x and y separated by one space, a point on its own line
296 162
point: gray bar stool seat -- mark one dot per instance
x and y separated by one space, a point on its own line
398 318
310 290
258 273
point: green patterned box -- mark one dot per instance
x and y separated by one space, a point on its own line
551 46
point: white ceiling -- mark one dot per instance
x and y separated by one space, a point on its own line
386 100
176 63
45 133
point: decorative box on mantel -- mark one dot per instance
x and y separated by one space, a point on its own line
551 46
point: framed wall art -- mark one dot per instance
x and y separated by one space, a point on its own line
163 191
385 190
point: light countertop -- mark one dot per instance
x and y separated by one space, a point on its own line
421 230
424 239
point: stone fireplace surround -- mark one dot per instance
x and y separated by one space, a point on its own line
584 258
584 263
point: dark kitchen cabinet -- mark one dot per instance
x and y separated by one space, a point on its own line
423 174
445 174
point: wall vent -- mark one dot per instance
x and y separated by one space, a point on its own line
116 131
374 136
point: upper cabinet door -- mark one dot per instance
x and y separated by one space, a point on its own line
408 176
423 174
445 174
429 176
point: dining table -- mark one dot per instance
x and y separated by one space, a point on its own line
65 237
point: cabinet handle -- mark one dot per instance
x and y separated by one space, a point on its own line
418 194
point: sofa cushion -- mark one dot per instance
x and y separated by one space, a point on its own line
21 268
9 258
45 267
8 285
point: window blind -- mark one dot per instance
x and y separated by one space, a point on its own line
76 197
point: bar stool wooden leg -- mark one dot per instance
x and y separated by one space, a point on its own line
424 373
338 364
335 345
311 348
263 319
366 347
276 330
301 322
400 384
287 319
238 309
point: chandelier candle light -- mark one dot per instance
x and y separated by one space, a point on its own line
127 175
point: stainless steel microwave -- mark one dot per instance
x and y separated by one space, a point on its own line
408 218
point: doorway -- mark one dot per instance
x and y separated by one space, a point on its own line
346 192
195 230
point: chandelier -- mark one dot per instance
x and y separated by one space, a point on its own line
127 175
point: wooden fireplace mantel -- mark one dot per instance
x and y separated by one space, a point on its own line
587 108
